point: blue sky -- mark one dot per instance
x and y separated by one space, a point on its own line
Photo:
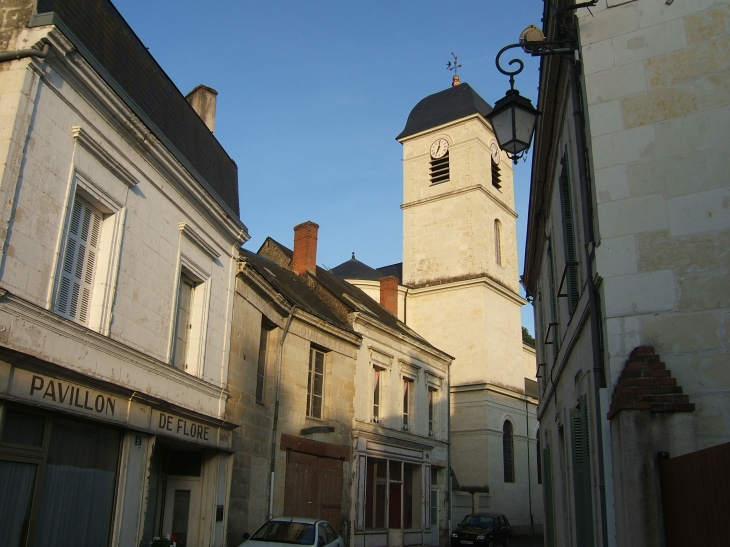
312 94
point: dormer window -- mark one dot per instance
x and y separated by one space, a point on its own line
439 170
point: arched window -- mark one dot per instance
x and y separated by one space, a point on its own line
508 453
497 242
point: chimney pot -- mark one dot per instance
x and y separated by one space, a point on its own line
305 248
389 293
203 100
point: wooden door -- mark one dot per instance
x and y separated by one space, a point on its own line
313 487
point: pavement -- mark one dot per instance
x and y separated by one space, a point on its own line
535 541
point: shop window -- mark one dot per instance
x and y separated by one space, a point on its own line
404 503
315 383
78 463
375 485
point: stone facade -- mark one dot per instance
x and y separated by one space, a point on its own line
100 221
652 85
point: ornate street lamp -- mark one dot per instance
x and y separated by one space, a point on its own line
513 117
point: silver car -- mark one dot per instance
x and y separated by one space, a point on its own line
294 531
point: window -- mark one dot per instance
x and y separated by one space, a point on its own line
553 302
82 249
432 393
183 324
566 207
377 373
497 242
315 384
508 452
394 494
582 483
440 169
407 404
266 329
496 176
62 471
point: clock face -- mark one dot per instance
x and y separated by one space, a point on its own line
494 149
439 148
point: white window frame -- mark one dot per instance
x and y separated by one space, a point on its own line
108 251
311 372
196 343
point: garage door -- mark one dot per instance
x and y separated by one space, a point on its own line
313 487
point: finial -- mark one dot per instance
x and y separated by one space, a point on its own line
455 66
353 255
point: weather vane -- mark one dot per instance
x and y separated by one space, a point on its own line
456 65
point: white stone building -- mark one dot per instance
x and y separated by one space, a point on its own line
120 236
458 288
627 262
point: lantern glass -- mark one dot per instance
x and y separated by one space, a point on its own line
513 120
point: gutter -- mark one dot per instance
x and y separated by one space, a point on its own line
23 53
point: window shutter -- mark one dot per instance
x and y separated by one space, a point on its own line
569 239
77 276
548 496
582 474
553 300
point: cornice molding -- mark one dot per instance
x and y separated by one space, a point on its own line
514 297
78 334
104 157
459 191
195 238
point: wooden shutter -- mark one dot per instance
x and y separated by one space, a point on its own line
569 239
553 300
583 499
77 276
548 497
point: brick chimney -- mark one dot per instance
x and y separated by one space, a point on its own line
203 100
305 248
389 293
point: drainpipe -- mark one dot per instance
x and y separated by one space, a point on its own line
529 476
599 377
23 53
275 426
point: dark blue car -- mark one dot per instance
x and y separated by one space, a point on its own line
483 530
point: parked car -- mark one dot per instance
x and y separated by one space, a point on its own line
294 531
484 529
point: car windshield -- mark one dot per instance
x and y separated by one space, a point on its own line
478 522
279 531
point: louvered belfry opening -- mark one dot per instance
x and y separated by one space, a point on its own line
496 175
440 169
77 276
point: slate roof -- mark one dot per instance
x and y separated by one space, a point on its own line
443 107
109 44
293 287
354 269
353 298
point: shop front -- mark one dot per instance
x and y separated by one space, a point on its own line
398 494
84 463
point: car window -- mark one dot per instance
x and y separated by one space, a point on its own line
322 539
331 534
298 533
500 521
505 521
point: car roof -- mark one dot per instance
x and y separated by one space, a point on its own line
485 515
303 520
